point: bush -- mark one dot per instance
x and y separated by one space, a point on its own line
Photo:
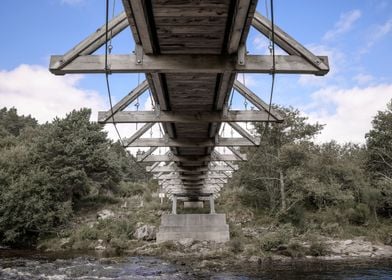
294 215
272 240
318 248
295 249
359 215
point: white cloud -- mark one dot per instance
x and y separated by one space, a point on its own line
376 34
34 90
363 79
337 61
353 111
344 24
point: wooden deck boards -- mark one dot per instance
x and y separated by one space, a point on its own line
193 27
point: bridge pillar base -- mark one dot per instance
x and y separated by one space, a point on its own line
201 227
193 204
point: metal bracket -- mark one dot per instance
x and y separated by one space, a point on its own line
139 54
241 55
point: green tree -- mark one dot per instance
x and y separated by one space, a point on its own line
379 162
267 170
48 169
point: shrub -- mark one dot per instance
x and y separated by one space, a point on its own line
359 215
295 249
318 248
272 240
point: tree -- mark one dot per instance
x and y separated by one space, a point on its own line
268 169
46 170
14 124
379 161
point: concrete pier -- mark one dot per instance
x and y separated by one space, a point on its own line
193 204
210 227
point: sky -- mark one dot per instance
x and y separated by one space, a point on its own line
355 34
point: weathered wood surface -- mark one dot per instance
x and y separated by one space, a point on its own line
198 64
191 142
189 117
190 51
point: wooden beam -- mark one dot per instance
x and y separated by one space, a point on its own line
287 43
124 102
137 135
243 132
159 91
183 63
191 177
237 29
162 142
236 152
147 153
138 19
168 168
225 82
95 40
168 158
185 117
255 100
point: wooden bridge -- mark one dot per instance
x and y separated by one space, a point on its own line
190 52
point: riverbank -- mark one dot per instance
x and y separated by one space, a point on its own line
33 265
129 227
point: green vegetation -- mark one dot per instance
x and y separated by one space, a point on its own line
297 187
49 171
288 199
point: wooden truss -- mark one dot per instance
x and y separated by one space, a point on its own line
186 175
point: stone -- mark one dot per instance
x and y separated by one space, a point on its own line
105 214
65 242
145 232
99 248
186 242
255 259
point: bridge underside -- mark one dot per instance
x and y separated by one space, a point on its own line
191 52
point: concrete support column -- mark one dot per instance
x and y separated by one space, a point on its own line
212 205
174 204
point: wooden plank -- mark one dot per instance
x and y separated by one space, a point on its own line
95 40
188 118
240 16
286 42
285 64
138 134
125 101
255 100
161 142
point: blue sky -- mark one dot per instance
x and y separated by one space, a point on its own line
356 35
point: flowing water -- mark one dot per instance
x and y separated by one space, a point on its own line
34 265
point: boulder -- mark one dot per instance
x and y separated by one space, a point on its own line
186 242
145 232
105 214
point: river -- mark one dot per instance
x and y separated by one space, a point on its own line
54 266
